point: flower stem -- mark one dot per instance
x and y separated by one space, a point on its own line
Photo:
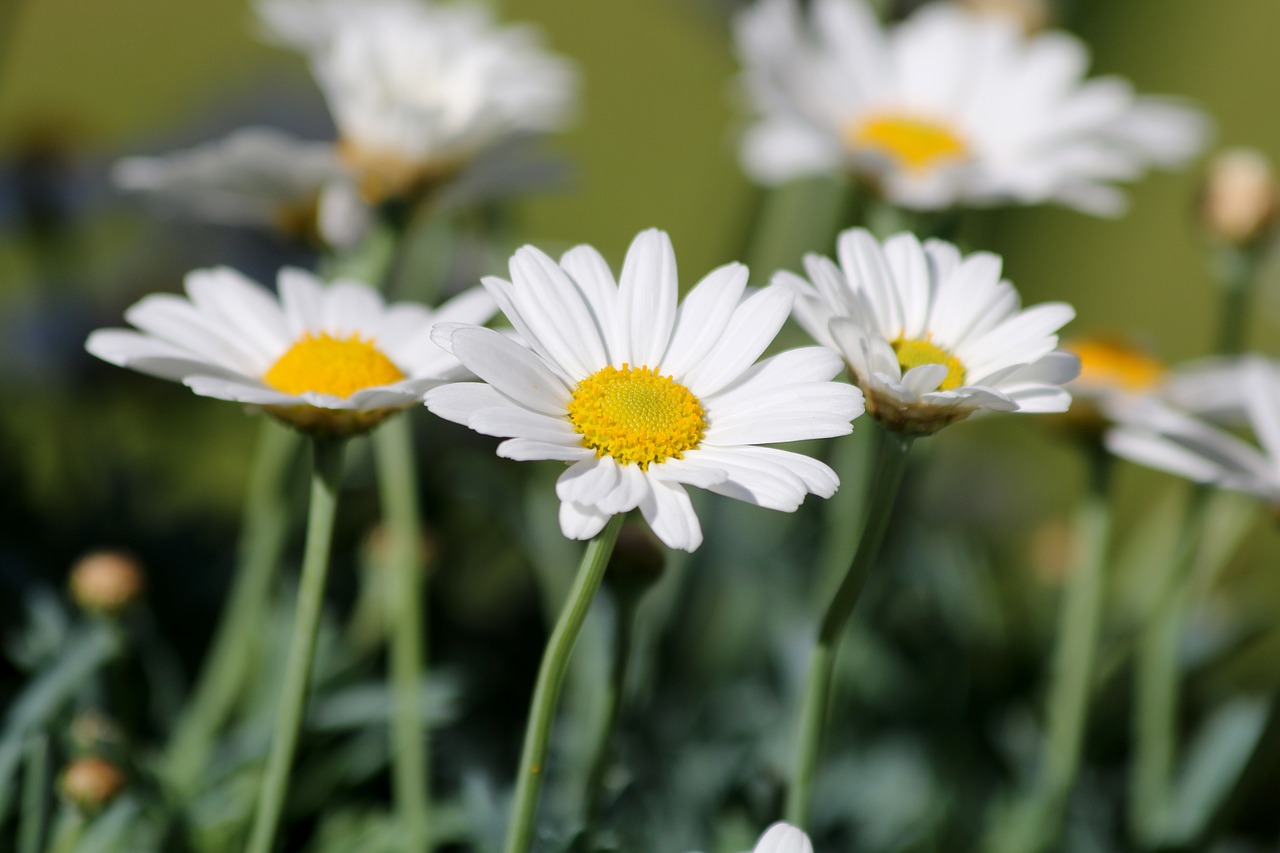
35 793
624 632
1155 709
236 643
555 660
325 480
1075 653
397 480
891 463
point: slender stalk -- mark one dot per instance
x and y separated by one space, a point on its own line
397 481
325 480
555 660
891 463
236 643
624 628
1075 654
1155 704
35 793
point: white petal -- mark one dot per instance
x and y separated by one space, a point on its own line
514 422
633 486
581 522
459 401
753 327
528 450
149 355
703 316
241 306
351 308
648 292
509 367
587 482
240 391
669 512
302 296
783 838
555 313
591 273
691 472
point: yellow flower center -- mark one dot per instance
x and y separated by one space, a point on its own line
913 353
1112 363
914 144
635 415
329 365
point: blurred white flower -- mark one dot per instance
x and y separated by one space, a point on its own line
258 177
418 90
949 108
328 359
1153 433
642 395
1114 372
783 838
930 336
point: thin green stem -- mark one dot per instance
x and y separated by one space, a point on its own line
555 660
325 481
891 463
1075 654
236 644
35 793
624 633
398 484
1236 268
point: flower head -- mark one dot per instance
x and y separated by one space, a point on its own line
641 394
930 336
258 177
418 90
949 108
329 359
1155 434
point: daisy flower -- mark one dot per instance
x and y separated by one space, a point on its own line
328 359
258 177
418 90
641 395
930 336
949 108
1157 435
1114 373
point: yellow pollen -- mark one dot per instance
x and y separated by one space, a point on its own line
328 365
915 145
913 353
1113 363
635 415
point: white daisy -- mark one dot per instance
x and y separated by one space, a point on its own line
1115 372
418 90
930 336
947 108
783 838
1155 434
258 177
641 394
329 359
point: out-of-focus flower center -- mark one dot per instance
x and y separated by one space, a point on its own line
329 365
1109 363
914 144
913 352
635 415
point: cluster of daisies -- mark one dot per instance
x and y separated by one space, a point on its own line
638 392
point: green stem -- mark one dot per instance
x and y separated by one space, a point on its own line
1075 654
555 660
624 627
35 793
1156 705
397 479
325 480
236 644
1235 272
891 463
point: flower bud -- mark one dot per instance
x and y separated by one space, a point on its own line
1031 16
1238 202
106 581
91 783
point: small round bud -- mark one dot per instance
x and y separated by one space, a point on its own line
106 581
91 783
637 562
1031 16
1239 200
